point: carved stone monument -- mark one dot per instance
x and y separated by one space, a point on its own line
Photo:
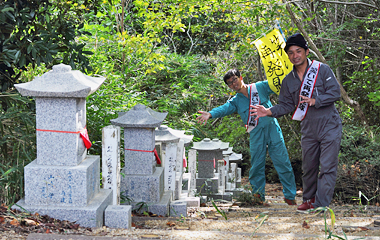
63 182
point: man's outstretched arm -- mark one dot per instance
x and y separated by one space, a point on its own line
202 119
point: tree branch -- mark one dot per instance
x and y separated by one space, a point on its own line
191 39
349 3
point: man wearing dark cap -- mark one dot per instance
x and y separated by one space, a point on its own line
311 90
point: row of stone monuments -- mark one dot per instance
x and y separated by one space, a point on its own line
64 182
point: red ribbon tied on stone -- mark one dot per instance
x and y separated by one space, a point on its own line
158 160
83 133
86 139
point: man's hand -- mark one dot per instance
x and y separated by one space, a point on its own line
309 101
202 119
259 111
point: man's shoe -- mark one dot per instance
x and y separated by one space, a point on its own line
305 206
290 202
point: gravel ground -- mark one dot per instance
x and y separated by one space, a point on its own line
276 221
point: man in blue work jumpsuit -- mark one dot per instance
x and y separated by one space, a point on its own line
267 133
321 127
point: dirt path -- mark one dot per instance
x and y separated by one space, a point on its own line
276 221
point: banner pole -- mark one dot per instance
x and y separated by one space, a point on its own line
279 28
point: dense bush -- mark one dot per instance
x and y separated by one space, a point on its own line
359 165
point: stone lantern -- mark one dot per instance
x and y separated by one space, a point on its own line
142 180
169 145
206 157
165 134
208 153
63 182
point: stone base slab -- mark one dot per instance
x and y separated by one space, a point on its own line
142 188
118 216
87 216
218 196
210 187
191 201
178 209
62 185
160 208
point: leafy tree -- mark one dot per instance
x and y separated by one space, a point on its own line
35 32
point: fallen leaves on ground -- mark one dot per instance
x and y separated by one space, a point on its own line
25 223
363 228
305 225
170 224
14 222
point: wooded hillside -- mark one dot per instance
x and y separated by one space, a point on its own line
171 55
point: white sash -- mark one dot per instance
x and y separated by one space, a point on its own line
306 90
254 99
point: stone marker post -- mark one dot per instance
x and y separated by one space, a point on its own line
179 169
238 178
193 171
226 156
63 182
221 177
233 175
111 161
181 177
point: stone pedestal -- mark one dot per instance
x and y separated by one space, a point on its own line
63 182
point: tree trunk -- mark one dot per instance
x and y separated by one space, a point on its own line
352 103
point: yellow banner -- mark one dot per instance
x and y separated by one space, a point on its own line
275 60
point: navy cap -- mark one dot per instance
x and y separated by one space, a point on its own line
296 40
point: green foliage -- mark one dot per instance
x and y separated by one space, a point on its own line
261 218
359 145
325 210
359 166
247 198
17 145
221 212
35 32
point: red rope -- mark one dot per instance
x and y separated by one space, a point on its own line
154 151
83 133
